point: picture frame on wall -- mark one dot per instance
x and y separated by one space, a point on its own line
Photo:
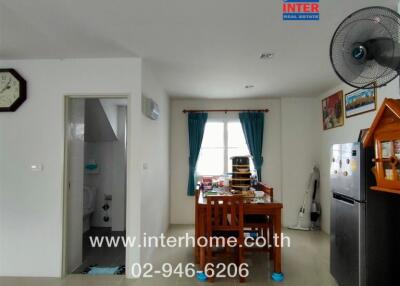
332 111
361 100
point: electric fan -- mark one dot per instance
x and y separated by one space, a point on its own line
365 48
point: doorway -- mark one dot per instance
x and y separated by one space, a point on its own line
95 183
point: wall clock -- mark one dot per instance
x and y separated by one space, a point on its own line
12 90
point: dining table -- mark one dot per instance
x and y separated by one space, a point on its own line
251 206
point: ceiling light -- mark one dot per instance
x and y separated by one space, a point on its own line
249 86
267 56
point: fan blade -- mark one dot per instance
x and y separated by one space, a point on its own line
385 51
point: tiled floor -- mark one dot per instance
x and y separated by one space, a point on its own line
305 263
104 256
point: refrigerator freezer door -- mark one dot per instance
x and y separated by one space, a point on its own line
347 242
346 176
336 165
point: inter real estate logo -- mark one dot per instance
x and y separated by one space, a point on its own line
300 10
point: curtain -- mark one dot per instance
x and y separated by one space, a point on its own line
196 124
253 129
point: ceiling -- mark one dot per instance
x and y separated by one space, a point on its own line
196 48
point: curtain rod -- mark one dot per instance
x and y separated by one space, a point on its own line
225 110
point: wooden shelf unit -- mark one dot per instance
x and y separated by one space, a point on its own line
384 133
240 173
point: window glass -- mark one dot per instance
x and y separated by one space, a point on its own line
217 148
213 135
235 135
237 145
211 157
211 162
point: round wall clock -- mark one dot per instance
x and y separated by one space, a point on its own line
12 90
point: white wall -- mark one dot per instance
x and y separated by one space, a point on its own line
300 145
155 162
97 123
102 154
31 202
110 108
75 140
110 179
118 211
182 206
347 133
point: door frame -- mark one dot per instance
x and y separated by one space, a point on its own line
66 108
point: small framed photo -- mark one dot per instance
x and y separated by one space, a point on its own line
332 111
360 100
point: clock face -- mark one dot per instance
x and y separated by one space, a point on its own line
12 90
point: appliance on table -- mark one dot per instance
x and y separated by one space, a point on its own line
365 227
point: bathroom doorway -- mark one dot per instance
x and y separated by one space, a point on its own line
95 180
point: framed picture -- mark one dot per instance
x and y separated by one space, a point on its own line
332 111
360 101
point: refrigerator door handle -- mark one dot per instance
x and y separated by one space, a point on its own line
343 199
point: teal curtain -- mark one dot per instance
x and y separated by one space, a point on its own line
196 124
253 129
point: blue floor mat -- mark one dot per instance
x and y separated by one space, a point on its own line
97 270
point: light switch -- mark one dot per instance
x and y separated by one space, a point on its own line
145 166
37 167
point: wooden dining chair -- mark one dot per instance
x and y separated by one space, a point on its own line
224 219
262 224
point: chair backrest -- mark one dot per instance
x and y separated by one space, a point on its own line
224 213
268 190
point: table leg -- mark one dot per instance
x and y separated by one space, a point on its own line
278 275
196 234
201 251
277 249
270 230
201 232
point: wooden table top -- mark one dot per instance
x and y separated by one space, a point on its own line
264 201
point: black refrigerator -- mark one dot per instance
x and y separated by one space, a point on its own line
365 228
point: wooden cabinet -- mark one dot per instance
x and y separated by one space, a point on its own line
240 173
384 133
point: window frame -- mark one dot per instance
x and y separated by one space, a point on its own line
228 118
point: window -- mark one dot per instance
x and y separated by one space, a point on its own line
211 157
221 141
237 145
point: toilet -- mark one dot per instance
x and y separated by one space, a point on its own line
89 205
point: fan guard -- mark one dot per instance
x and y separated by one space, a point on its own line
365 47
